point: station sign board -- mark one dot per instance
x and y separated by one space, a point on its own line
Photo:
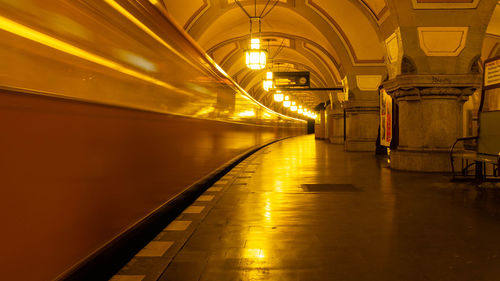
295 79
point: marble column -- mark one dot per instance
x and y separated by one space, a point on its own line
362 118
336 126
320 127
430 118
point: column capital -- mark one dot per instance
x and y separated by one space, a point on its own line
361 105
433 86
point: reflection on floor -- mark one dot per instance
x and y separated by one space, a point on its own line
303 209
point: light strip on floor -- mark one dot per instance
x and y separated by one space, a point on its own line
31 34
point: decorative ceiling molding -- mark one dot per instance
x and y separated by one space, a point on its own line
230 53
379 16
368 82
335 78
442 41
292 39
445 4
336 27
189 23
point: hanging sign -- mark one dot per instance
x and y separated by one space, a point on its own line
385 118
291 79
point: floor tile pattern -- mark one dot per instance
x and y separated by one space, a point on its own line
263 225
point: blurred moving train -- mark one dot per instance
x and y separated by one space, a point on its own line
108 113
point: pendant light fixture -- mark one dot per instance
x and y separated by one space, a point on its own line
278 96
256 57
287 103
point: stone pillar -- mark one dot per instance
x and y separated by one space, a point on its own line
337 126
329 123
430 118
362 118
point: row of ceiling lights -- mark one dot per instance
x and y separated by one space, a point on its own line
256 59
268 85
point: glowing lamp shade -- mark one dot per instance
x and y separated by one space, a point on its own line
293 107
267 84
279 97
300 111
255 57
287 102
255 43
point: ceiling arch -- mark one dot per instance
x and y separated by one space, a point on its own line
328 38
232 60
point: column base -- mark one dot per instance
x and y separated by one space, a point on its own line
337 140
358 145
421 160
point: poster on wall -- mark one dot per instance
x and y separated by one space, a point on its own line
492 73
385 118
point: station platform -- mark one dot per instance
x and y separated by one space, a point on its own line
303 209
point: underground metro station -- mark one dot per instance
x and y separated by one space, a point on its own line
238 140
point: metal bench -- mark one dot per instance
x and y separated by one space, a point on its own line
480 155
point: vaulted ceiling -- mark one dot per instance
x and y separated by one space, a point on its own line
327 38
323 37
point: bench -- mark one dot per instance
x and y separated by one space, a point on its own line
480 156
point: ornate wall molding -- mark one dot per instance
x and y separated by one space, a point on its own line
368 82
442 41
445 4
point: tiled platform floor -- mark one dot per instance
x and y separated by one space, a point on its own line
260 223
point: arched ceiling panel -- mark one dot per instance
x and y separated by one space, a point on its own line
234 23
494 25
221 54
185 12
378 8
491 43
317 56
354 27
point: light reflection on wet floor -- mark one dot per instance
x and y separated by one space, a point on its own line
396 226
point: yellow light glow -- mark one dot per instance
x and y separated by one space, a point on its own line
248 113
256 59
255 43
254 253
31 34
146 29
267 84
278 97
300 111
293 108
269 75
287 103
